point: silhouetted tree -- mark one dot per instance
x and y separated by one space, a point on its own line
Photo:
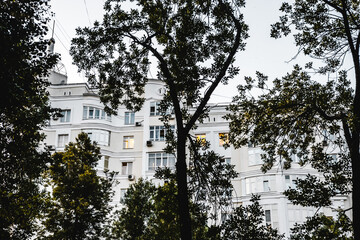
303 117
24 109
194 44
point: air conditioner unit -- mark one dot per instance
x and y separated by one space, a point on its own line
138 124
149 143
131 177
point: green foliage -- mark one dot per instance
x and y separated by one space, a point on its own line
324 228
246 222
194 44
79 205
132 220
324 29
181 35
151 212
210 179
24 109
300 116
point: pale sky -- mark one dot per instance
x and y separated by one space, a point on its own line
264 54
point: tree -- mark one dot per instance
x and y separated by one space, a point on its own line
24 109
194 43
80 199
131 221
151 212
246 222
303 117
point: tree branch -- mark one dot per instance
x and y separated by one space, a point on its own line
169 80
221 74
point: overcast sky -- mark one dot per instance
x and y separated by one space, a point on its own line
264 54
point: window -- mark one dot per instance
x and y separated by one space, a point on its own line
103 163
102 137
129 118
154 108
62 140
158 133
126 168
122 193
227 160
95 113
128 142
106 162
250 185
223 139
158 160
287 182
268 217
201 138
255 156
266 185
65 116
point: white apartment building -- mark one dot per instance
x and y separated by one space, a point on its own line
131 144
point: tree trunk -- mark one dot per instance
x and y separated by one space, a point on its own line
183 194
355 192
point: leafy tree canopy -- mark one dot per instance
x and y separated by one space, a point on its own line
24 108
194 44
303 118
80 199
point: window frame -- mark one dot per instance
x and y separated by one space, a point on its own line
129 118
127 143
64 141
201 138
66 115
126 168
95 135
91 113
160 160
222 142
158 133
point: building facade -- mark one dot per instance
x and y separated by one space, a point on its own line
132 145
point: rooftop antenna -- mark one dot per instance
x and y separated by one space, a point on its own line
52 35
52 40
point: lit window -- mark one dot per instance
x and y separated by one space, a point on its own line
223 139
126 168
201 138
128 142
268 217
158 133
129 118
101 137
95 113
62 140
158 160
65 116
